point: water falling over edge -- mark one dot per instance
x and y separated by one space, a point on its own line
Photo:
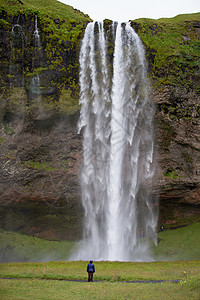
116 118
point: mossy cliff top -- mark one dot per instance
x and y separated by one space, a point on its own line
54 61
173 49
59 20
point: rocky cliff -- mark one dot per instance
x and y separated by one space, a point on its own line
173 48
40 149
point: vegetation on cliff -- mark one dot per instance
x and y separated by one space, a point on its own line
54 59
59 20
173 49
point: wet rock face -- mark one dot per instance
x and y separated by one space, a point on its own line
177 124
39 147
39 181
41 158
177 139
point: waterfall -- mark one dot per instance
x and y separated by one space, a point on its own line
116 119
36 35
35 81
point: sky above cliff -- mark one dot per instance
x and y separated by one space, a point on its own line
129 9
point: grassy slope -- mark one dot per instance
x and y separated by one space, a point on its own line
175 44
52 8
182 243
18 247
71 22
176 244
166 35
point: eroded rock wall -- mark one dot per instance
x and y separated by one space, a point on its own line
177 144
39 181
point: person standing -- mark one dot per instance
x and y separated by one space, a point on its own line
90 270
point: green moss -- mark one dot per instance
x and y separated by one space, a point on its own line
170 173
16 102
8 130
3 23
2 140
67 103
45 166
61 28
11 155
59 20
173 48
48 166
168 133
177 111
36 71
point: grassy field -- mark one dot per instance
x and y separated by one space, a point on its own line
35 289
106 271
30 286
50 280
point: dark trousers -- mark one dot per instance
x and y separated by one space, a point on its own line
90 276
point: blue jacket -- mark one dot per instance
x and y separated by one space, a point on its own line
90 267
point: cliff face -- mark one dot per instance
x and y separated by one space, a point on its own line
172 47
39 146
178 151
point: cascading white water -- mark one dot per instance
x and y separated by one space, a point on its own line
36 35
35 81
116 118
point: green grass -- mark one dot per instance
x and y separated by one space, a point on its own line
110 288
46 166
177 244
2 140
35 289
8 130
105 270
182 243
166 36
71 22
18 247
51 8
175 46
177 19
